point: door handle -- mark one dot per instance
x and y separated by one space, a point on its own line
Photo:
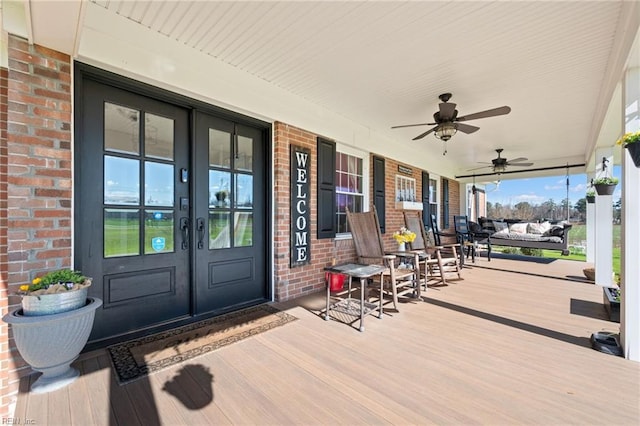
184 227
200 226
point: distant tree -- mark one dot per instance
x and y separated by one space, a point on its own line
617 211
581 208
524 210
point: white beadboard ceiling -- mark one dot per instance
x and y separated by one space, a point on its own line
381 64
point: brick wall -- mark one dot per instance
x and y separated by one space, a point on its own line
38 185
295 282
4 298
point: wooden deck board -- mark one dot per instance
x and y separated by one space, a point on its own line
509 344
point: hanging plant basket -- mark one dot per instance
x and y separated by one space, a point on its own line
591 199
605 188
634 151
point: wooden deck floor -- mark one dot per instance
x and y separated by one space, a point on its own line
507 345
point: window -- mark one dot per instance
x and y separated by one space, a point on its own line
352 175
433 196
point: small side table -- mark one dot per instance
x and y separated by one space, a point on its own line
350 305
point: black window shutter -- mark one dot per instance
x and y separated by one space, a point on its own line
378 190
445 202
326 189
426 206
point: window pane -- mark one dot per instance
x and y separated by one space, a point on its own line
121 129
219 148
158 184
244 156
121 232
121 181
341 203
158 231
219 186
244 191
342 223
243 229
219 230
158 137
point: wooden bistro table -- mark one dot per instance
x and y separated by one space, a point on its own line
352 306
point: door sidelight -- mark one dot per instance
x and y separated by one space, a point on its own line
184 227
200 226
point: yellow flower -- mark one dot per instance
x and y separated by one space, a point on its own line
404 235
24 287
36 281
627 138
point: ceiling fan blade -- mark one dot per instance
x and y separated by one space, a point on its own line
411 125
447 111
425 133
478 168
484 114
466 128
517 160
509 163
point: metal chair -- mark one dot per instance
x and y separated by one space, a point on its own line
365 230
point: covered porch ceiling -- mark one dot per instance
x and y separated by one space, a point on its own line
380 64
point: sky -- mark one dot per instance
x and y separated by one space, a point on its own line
539 190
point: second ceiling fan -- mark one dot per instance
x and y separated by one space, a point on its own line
447 122
500 164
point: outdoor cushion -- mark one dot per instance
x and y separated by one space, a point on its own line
501 227
538 228
518 228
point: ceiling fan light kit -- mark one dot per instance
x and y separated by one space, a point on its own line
447 123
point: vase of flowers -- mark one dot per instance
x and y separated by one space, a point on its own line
53 326
402 237
605 185
631 141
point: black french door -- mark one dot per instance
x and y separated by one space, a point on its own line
170 213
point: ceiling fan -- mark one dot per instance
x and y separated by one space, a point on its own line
500 164
447 122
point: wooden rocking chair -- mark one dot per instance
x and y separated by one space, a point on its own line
365 230
444 260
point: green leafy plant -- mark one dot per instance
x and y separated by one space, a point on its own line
63 279
606 181
627 138
591 192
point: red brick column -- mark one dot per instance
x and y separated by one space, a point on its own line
4 298
38 186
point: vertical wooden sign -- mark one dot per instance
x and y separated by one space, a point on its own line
300 206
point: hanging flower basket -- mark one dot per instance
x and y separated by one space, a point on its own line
591 199
631 141
605 186
634 151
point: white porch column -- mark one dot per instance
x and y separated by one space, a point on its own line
591 227
630 266
604 224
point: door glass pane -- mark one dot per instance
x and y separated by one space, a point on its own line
219 187
244 154
219 148
121 129
158 231
219 230
243 229
244 191
121 181
158 184
158 137
121 232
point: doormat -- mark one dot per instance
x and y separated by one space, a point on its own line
138 358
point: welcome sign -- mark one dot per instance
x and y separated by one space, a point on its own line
300 206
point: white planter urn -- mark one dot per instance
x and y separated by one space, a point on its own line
50 343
